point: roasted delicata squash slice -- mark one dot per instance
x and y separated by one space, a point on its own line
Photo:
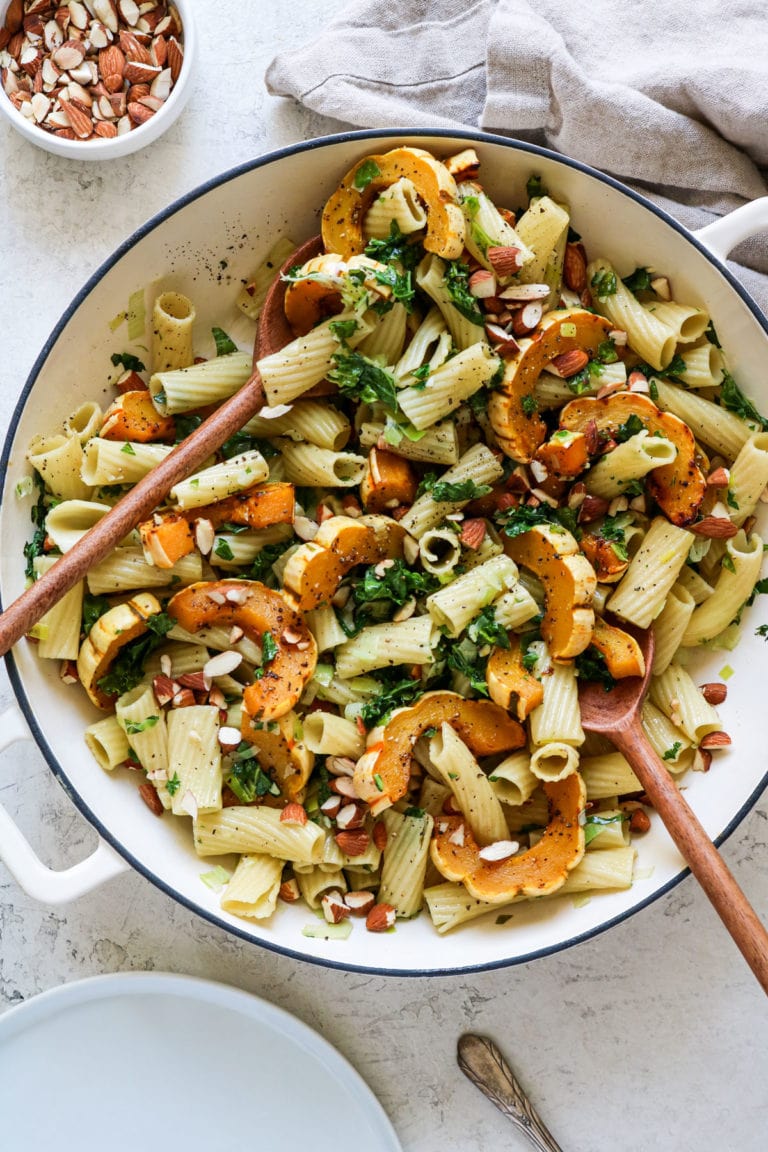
510 683
345 211
538 872
564 455
678 488
317 294
389 480
133 416
607 563
483 726
552 554
281 752
258 610
621 652
111 632
315 570
518 427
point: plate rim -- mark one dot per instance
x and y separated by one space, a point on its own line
123 985
14 675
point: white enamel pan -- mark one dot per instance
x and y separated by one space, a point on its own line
235 219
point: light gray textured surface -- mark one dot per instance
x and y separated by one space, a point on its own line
651 1037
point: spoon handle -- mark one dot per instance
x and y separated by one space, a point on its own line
699 852
482 1063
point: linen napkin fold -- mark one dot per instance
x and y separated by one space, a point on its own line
671 99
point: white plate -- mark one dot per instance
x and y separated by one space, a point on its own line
148 1062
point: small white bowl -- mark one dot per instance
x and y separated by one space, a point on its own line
112 148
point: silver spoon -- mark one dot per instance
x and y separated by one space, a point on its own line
482 1063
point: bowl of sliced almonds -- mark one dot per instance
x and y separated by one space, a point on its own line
93 79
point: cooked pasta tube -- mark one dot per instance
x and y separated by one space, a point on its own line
430 277
58 631
670 625
60 462
533 813
236 549
438 444
144 724
184 658
432 796
84 422
610 830
512 780
675 694
429 332
629 461
184 389
703 367
398 204
711 423
554 761
749 477
734 586
543 228
324 625
405 861
308 465
307 360
453 606
440 551
315 882
252 892
219 639
695 584
687 322
558 718
69 520
194 759
173 318
126 568
647 336
478 464
387 339
642 591
608 775
251 298
221 480
668 740
108 743
515 607
472 790
385 645
256 829
449 385
115 462
315 421
487 228
552 391
331 735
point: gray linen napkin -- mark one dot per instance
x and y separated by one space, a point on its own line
670 98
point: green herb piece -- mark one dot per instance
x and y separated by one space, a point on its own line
673 752
128 449
185 425
529 406
711 335
463 659
134 726
606 352
363 379
128 666
246 777
396 249
216 879
378 781
457 287
160 397
639 280
36 546
269 649
478 401
535 188
398 583
223 550
128 361
590 665
653 391
530 659
594 825
515 521
445 491
343 329
172 786
224 343
504 918
394 694
612 529
401 284
485 629
93 608
421 375
676 366
631 426
732 398
367 172
241 442
262 564
604 283
727 563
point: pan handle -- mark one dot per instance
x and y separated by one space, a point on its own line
722 236
37 880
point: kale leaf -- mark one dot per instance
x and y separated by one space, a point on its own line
732 398
485 629
591 665
128 666
224 344
130 362
639 280
363 379
397 583
457 287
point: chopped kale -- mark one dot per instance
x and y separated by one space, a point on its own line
185 424
363 379
612 529
223 550
246 777
594 825
464 659
711 335
36 546
457 286
269 649
128 667
401 284
397 584
224 345
343 329
134 726
676 366
606 352
395 693
366 173
639 281
529 405
535 187
672 752
590 665
396 249
445 491
732 398
485 629
515 521
93 608
241 442
416 813
604 283
128 361
262 564
631 426
172 786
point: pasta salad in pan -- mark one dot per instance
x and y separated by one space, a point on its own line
347 650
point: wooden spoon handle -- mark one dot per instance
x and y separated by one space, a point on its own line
136 505
702 857
482 1063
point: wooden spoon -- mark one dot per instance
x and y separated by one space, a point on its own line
616 714
138 503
